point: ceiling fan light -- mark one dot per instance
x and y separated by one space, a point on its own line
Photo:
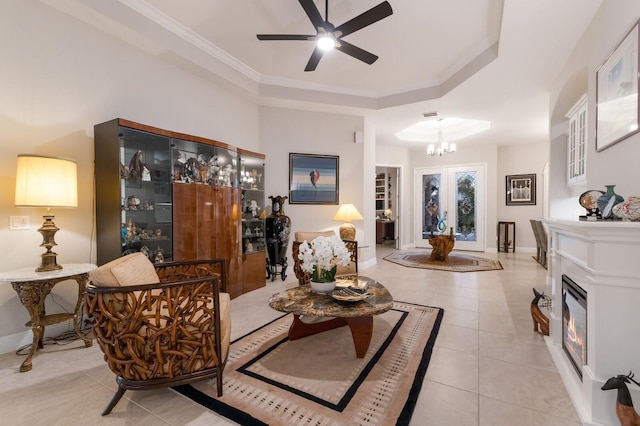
431 149
452 147
326 43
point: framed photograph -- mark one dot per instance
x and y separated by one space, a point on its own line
313 179
521 190
617 93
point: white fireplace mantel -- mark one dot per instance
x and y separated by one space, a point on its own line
604 259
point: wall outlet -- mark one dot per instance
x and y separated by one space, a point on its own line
17 223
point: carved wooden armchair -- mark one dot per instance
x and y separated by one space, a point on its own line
300 237
160 325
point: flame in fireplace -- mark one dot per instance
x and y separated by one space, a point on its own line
573 335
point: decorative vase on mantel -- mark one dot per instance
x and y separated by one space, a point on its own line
278 228
606 202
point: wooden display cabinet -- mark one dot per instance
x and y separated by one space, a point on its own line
192 201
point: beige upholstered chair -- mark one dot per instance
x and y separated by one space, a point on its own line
160 325
300 237
540 234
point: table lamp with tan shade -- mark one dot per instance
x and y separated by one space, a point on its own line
43 181
347 213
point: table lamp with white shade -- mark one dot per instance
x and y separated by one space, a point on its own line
43 181
347 213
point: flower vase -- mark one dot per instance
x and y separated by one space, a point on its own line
605 203
321 287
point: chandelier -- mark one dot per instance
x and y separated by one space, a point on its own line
443 146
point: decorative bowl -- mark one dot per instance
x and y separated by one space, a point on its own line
323 287
629 209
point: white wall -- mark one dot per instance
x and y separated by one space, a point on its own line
59 78
285 131
516 160
618 164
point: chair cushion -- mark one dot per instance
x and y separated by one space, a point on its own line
310 236
132 269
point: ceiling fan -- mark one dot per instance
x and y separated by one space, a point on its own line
328 36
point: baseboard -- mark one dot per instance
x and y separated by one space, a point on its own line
13 342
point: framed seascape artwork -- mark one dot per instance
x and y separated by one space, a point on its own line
617 93
313 179
521 190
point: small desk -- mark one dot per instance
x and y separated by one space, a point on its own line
33 288
385 231
357 315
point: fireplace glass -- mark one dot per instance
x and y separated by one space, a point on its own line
574 323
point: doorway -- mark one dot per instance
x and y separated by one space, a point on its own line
451 199
388 205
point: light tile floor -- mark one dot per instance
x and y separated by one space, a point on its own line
488 366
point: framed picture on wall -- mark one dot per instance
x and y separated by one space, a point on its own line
521 190
313 179
617 93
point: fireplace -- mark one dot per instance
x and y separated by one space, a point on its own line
602 258
574 323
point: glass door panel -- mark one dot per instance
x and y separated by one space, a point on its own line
466 206
451 197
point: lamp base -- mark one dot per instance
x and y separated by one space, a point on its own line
48 262
348 231
48 231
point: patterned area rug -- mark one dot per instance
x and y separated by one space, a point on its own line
455 262
318 379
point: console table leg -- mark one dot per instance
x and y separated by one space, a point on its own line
36 342
82 280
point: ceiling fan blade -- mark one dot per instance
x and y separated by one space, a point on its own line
285 37
314 59
356 52
372 15
313 13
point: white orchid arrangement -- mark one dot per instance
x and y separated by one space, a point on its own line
322 257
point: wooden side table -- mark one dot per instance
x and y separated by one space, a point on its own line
33 287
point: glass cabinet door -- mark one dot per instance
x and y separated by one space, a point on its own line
251 181
145 194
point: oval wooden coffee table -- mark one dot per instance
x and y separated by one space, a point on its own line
358 315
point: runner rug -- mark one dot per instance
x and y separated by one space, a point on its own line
454 263
318 380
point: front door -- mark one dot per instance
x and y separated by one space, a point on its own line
451 199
